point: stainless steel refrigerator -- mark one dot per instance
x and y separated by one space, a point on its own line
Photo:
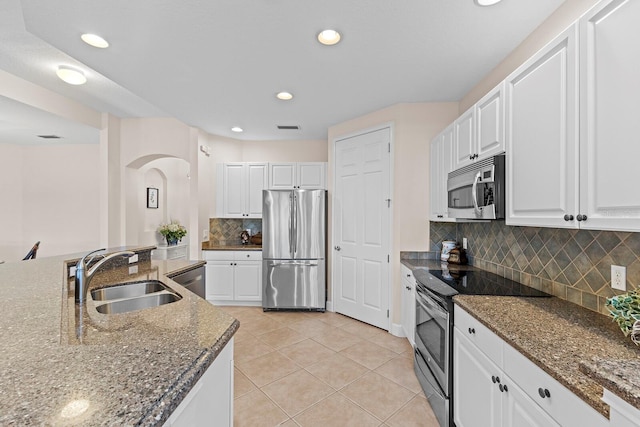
294 249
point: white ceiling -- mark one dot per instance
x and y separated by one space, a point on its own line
215 64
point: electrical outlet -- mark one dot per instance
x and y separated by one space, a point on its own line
133 258
619 277
464 243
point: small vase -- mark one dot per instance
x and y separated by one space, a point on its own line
172 241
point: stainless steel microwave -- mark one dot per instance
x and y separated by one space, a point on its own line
477 191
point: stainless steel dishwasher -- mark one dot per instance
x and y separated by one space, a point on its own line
193 280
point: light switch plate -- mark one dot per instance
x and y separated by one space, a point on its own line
464 243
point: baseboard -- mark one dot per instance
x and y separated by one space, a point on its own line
329 306
397 330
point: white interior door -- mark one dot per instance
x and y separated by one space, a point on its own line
361 227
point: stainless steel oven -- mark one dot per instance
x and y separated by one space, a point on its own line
432 351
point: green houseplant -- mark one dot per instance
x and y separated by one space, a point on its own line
625 310
173 232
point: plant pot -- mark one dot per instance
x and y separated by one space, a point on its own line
172 241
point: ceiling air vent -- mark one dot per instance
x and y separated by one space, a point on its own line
50 136
294 127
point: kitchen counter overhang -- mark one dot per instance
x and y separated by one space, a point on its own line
130 369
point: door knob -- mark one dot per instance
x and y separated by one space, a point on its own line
337 248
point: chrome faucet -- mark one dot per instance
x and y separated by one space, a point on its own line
85 274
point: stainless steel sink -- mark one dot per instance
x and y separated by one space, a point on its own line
128 290
139 303
133 296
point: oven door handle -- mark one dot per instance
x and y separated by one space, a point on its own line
431 307
474 193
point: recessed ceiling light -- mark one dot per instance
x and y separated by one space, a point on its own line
486 2
94 40
329 37
71 75
237 129
285 96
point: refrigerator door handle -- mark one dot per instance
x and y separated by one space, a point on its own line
295 223
291 223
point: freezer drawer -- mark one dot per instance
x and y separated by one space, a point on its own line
290 285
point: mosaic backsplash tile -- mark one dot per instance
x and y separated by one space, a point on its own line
572 264
226 231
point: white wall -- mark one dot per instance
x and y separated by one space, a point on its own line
415 125
54 197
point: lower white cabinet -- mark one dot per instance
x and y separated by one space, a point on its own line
495 385
622 414
163 252
408 283
210 401
234 277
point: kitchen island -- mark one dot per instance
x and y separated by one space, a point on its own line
124 369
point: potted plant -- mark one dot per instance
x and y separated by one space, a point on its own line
173 232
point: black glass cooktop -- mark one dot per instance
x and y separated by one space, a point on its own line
475 282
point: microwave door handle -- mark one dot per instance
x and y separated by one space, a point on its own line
474 194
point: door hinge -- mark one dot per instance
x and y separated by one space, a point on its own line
387 259
388 147
387 314
388 202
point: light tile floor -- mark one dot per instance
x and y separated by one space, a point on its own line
323 369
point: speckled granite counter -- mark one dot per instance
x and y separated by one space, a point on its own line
133 368
562 338
619 376
208 246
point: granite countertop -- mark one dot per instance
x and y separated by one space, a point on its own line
580 348
132 368
210 246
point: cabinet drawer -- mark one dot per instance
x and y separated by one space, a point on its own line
247 255
488 342
564 406
217 255
407 274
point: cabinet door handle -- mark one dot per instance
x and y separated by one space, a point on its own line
495 379
503 388
568 217
408 288
337 248
544 393
581 218
248 255
472 330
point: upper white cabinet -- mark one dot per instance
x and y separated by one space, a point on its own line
609 125
464 139
286 176
542 136
479 131
441 164
490 123
242 185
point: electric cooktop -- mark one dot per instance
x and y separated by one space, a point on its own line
473 282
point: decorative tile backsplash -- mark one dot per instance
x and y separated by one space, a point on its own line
226 231
572 264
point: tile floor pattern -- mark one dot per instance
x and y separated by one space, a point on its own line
322 369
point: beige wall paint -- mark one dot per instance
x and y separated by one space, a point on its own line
414 126
12 243
566 14
284 151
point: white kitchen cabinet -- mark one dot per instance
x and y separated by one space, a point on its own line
303 175
234 277
441 163
479 131
495 385
464 137
621 414
163 252
408 283
542 136
609 126
211 398
490 123
241 187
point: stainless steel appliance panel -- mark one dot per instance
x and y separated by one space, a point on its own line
193 280
309 224
293 284
277 224
437 399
